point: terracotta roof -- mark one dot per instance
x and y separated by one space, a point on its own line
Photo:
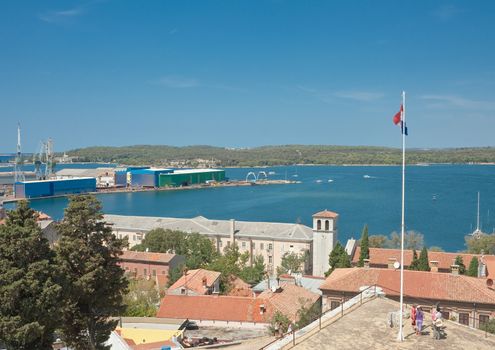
290 299
380 256
207 307
417 284
129 255
326 214
490 265
195 278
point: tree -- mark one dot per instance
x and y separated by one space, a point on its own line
29 293
435 249
142 298
460 262
423 262
292 262
94 284
338 259
412 240
365 249
198 250
230 264
473 267
279 323
482 245
255 273
175 273
307 313
377 241
415 261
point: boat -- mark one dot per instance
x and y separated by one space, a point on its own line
330 180
367 176
272 173
477 233
318 181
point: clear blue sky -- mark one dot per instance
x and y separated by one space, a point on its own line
246 73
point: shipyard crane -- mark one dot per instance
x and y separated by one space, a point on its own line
18 173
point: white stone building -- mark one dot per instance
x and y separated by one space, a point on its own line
271 240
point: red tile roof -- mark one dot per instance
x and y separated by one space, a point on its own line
417 284
239 288
194 280
207 307
380 256
129 255
490 265
290 299
326 214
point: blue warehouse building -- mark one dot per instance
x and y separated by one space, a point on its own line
146 177
48 188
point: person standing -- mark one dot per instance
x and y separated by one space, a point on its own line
419 320
413 316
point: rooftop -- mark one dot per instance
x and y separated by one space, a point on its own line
194 280
417 284
129 255
365 328
311 283
195 171
200 224
326 214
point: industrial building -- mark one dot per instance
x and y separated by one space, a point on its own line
105 177
48 188
190 177
146 177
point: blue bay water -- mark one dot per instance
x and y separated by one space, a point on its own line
441 200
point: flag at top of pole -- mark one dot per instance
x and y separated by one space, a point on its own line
399 117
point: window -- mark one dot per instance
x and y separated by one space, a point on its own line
270 259
182 291
483 320
445 315
464 318
145 272
327 225
318 225
270 246
254 245
262 246
243 244
334 304
133 237
154 273
164 272
220 244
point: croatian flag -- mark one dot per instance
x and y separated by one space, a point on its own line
398 119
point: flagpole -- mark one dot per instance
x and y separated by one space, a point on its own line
400 336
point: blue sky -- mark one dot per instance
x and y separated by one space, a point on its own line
246 73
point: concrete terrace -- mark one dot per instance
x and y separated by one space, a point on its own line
365 327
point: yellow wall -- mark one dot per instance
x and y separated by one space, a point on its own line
145 336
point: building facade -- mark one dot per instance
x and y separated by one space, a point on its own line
270 240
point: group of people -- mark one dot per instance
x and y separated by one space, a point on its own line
418 316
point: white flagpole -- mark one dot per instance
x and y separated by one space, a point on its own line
400 336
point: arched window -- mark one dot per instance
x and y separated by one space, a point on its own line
327 225
318 224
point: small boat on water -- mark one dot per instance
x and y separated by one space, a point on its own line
367 176
330 180
318 181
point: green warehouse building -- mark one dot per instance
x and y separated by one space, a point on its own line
190 177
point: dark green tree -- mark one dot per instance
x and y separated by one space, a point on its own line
423 264
307 313
365 247
175 273
230 265
473 267
94 284
142 298
460 262
338 259
29 293
414 262
482 245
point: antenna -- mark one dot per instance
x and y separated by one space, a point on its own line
18 173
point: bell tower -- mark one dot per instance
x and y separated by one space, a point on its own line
324 240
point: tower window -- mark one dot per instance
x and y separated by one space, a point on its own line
327 225
318 224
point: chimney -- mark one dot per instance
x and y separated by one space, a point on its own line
366 263
391 262
205 282
454 269
232 230
434 266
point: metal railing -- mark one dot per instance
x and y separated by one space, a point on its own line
321 315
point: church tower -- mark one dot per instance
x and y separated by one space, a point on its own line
324 240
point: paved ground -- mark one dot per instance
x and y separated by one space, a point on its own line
366 328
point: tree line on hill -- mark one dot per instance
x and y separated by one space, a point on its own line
279 155
70 291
